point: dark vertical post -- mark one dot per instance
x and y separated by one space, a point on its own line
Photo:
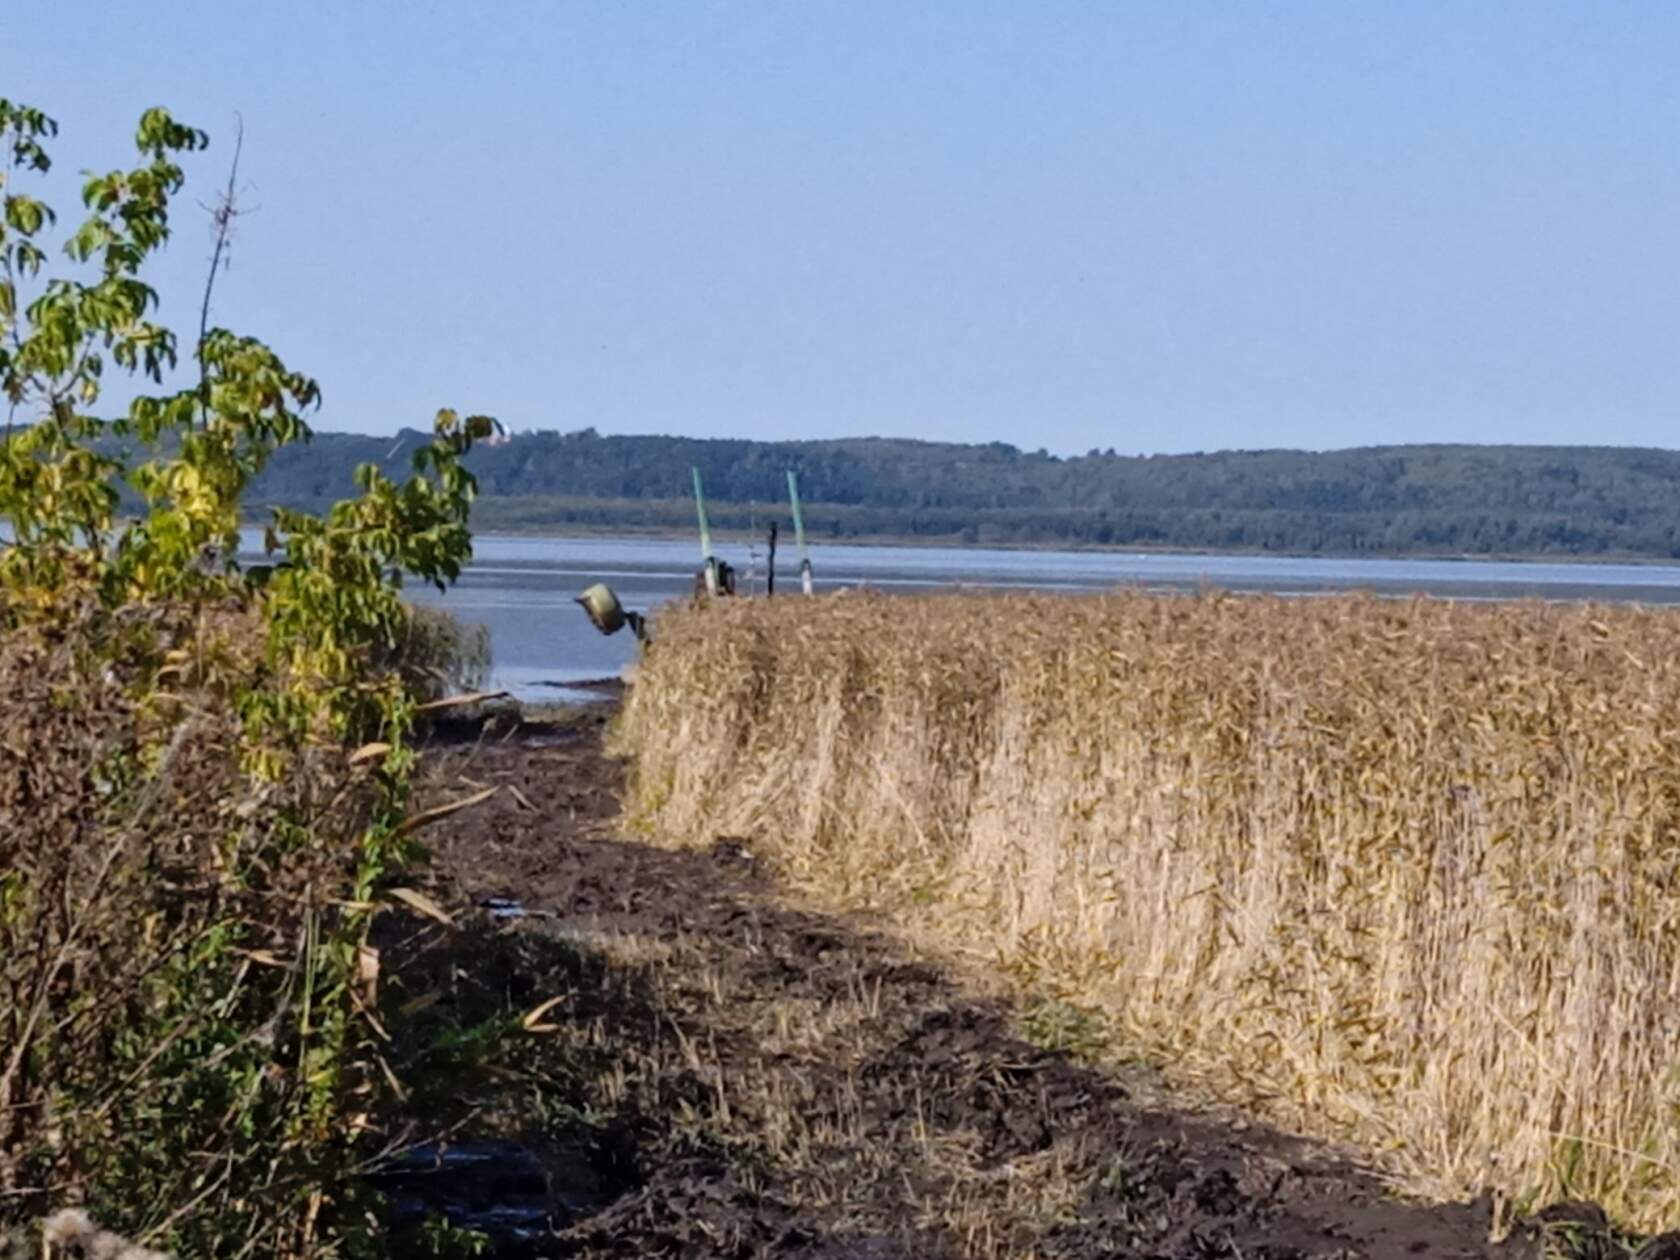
770 575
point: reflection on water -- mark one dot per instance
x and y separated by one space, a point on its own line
522 588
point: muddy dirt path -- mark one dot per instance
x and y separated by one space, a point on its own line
731 1075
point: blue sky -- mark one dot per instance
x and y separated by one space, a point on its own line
1152 226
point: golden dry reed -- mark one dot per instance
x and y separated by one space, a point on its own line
1406 873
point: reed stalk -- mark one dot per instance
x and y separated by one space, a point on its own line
1396 872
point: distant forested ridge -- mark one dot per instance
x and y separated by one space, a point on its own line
1453 500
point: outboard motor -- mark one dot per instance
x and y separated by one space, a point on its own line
608 615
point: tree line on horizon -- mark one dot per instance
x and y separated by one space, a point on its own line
1390 500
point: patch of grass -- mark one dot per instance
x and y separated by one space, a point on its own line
1066 1028
441 655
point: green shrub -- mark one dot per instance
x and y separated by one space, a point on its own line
191 846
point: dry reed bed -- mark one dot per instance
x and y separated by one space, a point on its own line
1398 872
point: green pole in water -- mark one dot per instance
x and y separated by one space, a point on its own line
799 531
705 536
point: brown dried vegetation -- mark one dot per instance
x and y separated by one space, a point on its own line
1395 872
157 907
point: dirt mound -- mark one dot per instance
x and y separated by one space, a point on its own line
780 1082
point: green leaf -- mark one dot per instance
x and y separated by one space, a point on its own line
27 215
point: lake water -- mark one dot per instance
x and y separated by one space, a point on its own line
522 588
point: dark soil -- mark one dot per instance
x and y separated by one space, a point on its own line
728 1074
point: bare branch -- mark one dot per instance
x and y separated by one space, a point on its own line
222 217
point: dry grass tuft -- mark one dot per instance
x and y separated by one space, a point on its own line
1398 872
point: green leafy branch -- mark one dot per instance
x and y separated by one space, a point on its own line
328 605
